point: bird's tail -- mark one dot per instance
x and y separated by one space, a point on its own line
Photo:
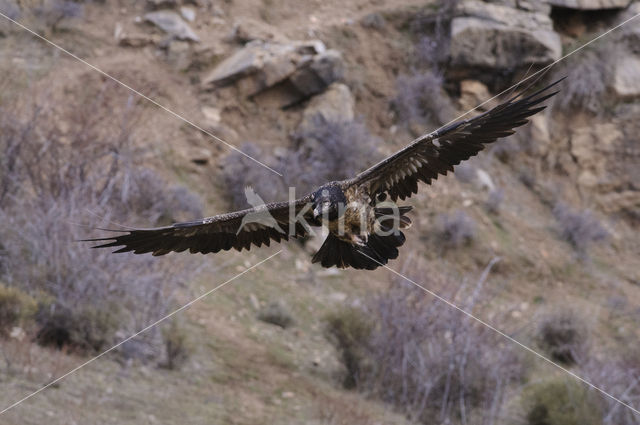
375 253
378 250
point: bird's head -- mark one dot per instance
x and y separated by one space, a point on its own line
328 201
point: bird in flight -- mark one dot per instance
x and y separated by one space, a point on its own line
364 222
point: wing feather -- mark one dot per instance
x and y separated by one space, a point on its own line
214 234
437 152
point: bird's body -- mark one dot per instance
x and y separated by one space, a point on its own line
361 213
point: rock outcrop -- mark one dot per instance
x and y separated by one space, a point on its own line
299 69
336 104
624 78
496 36
590 4
171 23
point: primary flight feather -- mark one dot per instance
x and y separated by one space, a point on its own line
364 228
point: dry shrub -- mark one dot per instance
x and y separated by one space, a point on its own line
431 27
561 402
332 150
587 72
16 306
456 230
87 328
494 200
276 313
327 151
585 88
177 346
563 336
421 100
59 167
350 330
54 12
580 228
619 376
426 358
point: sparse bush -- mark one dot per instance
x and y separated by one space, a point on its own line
425 358
421 100
432 31
147 194
277 314
239 172
505 149
374 21
563 336
325 152
580 228
586 88
561 402
16 306
84 328
350 330
619 377
53 12
177 348
494 200
456 230
78 164
528 179
333 150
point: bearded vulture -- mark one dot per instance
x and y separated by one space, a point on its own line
363 220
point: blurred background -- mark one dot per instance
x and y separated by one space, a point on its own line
537 235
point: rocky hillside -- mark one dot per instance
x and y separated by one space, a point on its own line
536 236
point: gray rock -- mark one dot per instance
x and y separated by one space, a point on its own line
242 63
188 13
171 23
625 77
160 4
336 104
317 74
630 33
306 66
534 6
590 4
497 36
179 55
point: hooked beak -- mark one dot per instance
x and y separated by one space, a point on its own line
319 209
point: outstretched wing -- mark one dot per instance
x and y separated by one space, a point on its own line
238 230
437 152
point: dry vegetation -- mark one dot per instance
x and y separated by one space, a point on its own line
289 342
59 173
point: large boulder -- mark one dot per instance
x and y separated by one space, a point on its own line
297 69
496 36
171 23
624 78
336 104
590 4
